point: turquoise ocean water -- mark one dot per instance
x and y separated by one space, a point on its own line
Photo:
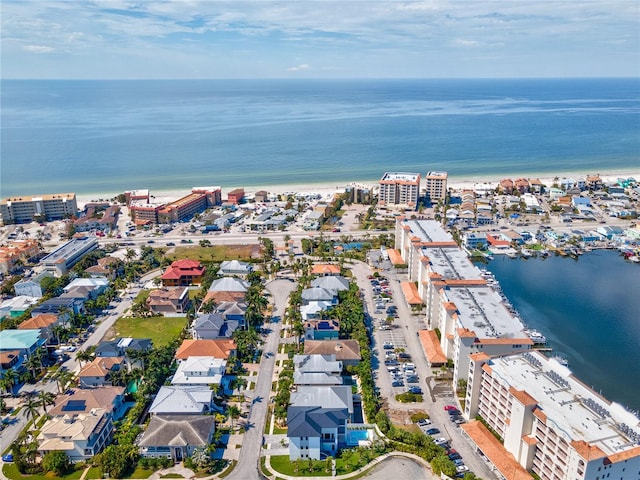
589 311
109 136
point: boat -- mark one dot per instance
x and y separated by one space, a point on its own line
536 337
561 360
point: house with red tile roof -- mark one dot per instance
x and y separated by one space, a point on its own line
182 273
98 373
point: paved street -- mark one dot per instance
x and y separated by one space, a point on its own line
247 467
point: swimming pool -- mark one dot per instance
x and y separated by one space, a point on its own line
355 436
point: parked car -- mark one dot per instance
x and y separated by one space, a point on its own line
454 412
412 379
450 407
462 468
433 431
454 456
388 346
8 457
415 389
440 441
423 422
397 383
459 462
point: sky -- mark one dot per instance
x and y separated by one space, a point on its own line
121 39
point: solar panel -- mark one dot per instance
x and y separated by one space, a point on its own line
74 406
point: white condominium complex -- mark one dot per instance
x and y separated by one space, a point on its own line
550 423
436 185
469 314
399 190
39 208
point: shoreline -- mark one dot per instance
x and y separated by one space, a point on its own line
328 188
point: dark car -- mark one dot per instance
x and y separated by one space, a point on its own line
415 389
453 412
433 431
454 456
412 379
397 383
8 457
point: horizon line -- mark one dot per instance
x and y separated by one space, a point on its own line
614 77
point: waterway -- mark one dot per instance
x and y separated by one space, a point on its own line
589 311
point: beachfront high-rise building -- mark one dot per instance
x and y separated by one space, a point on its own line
399 190
551 424
469 314
436 185
39 208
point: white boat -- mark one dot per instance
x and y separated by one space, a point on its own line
536 336
561 360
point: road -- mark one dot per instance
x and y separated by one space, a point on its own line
247 467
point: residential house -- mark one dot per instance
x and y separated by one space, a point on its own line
45 323
79 435
25 342
176 436
59 305
233 311
324 269
200 371
506 186
30 285
318 329
346 351
333 284
326 396
85 400
169 301
211 326
99 372
318 294
219 348
317 370
120 347
107 267
16 306
235 267
522 185
227 288
182 400
315 430
10 359
183 273
93 286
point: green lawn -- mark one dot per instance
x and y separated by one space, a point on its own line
11 471
217 253
161 330
282 464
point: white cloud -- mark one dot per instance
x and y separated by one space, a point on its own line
297 68
461 42
38 48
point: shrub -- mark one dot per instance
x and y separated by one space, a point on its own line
56 462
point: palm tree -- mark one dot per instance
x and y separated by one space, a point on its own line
63 378
84 356
31 406
46 398
8 380
234 412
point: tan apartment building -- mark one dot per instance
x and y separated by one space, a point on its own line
38 208
399 190
550 423
436 185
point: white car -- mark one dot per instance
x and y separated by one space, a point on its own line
440 441
462 468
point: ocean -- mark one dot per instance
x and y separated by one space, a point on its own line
588 310
111 136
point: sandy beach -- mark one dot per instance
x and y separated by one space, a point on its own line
327 189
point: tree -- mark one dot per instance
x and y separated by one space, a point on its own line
57 462
63 378
234 413
84 356
8 380
46 398
31 406
116 460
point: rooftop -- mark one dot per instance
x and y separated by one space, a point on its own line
70 249
573 410
403 177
